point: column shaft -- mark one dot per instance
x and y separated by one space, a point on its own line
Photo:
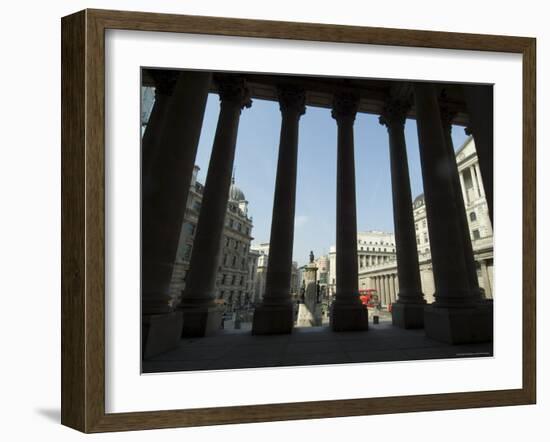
412 314
347 311
165 82
454 316
275 315
479 100
200 315
165 193
169 155
464 227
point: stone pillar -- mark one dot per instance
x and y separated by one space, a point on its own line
479 180
479 101
475 182
276 314
463 189
348 313
408 311
486 279
393 288
455 316
163 207
165 81
387 288
384 291
464 227
201 315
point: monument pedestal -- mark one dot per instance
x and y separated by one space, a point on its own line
459 325
201 321
408 315
273 319
161 333
308 317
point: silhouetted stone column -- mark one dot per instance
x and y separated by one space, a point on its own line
468 251
479 101
348 313
165 81
201 315
455 316
408 311
276 314
163 207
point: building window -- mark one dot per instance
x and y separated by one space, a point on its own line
425 237
187 251
416 226
233 280
230 222
234 260
473 216
476 234
423 223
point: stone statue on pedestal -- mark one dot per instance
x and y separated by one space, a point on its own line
309 311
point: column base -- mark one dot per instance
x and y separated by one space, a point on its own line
345 317
160 333
273 320
408 315
201 321
459 325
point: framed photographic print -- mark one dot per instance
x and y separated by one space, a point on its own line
268 220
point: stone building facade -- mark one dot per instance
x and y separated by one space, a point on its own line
383 278
374 249
262 252
237 265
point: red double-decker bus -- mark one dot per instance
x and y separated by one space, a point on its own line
369 297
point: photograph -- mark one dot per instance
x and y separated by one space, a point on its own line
301 220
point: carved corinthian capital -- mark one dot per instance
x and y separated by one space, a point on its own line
345 105
292 99
165 81
394 113
233 89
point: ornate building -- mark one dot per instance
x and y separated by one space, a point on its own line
260 278
374 248
237 266
383 278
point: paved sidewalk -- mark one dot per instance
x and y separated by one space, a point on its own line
307 346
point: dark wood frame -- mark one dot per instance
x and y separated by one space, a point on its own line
83 215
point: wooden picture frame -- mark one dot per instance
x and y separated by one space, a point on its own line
83 218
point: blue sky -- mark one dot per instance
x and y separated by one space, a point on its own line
315 226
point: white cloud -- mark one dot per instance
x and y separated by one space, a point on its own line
300 220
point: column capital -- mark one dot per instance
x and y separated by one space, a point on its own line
165 81
292 99
233 89
345 105
394 113
447 114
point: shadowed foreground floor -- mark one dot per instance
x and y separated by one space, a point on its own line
307 346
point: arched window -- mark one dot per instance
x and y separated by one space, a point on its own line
473 216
